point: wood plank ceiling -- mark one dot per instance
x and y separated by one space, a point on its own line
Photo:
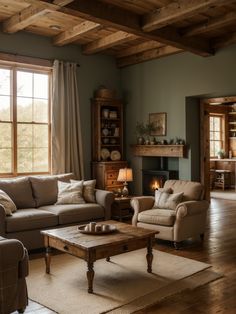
132 31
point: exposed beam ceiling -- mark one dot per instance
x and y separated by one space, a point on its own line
107 42
30 14
228 40
147 55
130 22
176 11
75 33
139 48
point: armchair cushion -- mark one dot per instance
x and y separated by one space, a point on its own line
164 217
167 200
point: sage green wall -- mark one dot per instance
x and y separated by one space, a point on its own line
93 71
163 85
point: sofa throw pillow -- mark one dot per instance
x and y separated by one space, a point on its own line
70 193
88 190
7 203
166 200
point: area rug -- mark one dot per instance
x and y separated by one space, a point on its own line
120 286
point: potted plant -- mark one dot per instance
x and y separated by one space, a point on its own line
149 127
221 153
140 132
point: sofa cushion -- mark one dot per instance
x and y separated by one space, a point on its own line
29 219
73 213
193 191
45 188
88 190
167 200
164 217
70 193
7 203
19 190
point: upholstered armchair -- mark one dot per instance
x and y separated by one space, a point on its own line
183 220
13 270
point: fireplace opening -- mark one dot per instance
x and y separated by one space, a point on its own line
155 179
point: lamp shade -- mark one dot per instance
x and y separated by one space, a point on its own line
125 175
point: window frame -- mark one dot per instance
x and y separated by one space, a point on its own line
14 67
222 131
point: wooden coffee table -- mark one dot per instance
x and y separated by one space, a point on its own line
93 247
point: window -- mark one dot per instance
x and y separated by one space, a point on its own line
216 134
24 121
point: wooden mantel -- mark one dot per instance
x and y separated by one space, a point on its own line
159 150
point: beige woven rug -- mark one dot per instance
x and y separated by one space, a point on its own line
120 286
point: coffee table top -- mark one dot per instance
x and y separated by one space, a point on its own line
124 233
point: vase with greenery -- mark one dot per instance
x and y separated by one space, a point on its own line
140 132
149 127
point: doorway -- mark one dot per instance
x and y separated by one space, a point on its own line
220 111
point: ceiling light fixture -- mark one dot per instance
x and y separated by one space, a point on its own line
55 27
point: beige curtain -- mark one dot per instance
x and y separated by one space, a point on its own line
67 154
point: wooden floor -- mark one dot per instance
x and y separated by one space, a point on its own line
219 250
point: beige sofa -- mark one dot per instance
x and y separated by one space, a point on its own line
13 270
35 198
187 220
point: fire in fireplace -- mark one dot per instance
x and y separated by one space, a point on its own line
155 179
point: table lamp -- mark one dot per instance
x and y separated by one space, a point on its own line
125 175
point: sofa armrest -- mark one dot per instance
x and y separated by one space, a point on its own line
12 252
105 199
140 204
191 208
2 221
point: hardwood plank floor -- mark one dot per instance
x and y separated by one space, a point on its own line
218 249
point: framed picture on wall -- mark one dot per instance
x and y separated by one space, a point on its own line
159 121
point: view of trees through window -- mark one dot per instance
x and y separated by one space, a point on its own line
216 133
24 121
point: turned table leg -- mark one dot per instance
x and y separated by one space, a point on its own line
48 259
108 259
149 256
90 276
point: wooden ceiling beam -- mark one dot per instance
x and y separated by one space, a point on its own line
147 55
138 48
225 41
211 24
130 22
107 42
176 11
75 33
30 14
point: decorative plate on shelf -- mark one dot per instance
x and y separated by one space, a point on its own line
105 154
115 155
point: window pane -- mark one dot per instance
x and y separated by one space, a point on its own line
5 160
211 123
40 110
5 135
217 136
217 124
40 137
40 86
5 82
24 84
211 136
5 109
24 159
217 147
40 160
24 135
24 109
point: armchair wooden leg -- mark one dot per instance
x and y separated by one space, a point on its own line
202 236
21 310
177 245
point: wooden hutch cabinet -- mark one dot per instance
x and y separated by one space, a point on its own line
107 142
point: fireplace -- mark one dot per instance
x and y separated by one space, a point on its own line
154 179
